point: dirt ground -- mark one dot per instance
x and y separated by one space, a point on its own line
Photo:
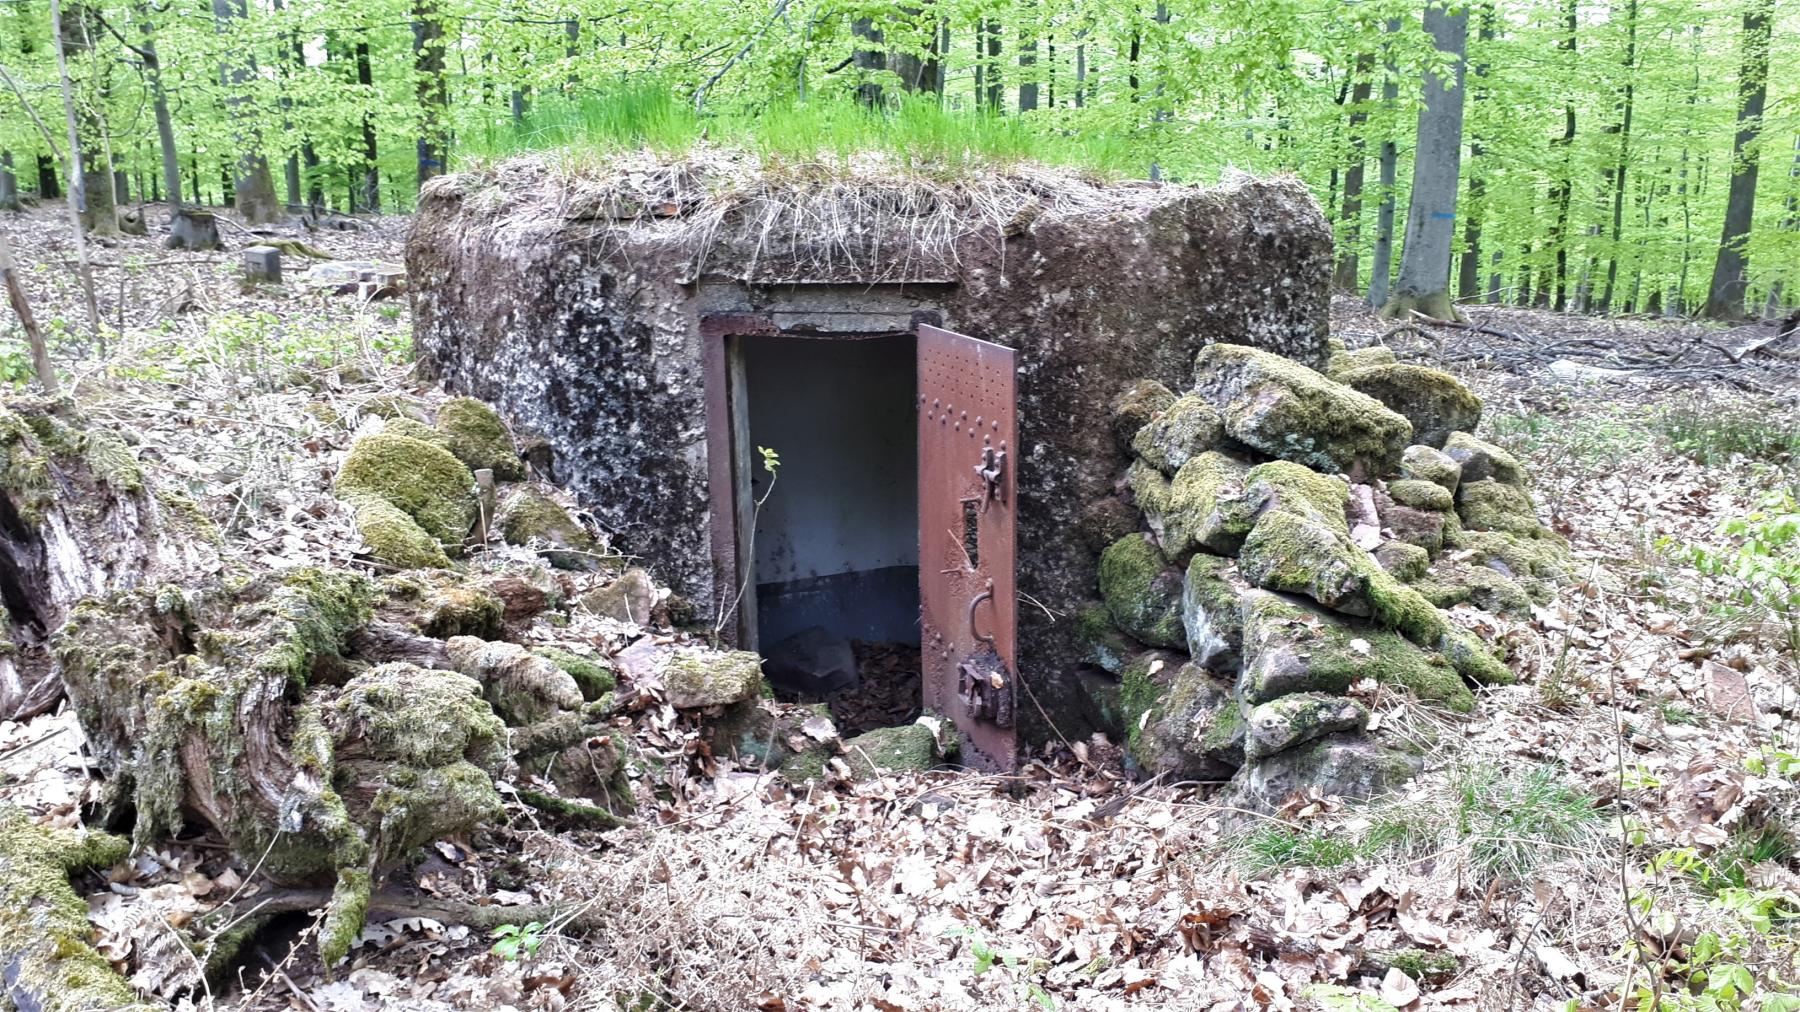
1574 841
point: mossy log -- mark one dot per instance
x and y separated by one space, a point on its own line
78 516
242 709
47 962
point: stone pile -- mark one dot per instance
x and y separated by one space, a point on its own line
1302 532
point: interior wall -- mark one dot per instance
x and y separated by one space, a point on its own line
837 541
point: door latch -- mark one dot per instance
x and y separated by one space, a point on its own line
985 688
991 470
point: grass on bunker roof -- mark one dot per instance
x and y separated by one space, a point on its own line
907 136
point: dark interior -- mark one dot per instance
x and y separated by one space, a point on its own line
836 552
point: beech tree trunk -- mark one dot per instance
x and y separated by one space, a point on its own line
34 337
433 91
1424 282
1344 275
1725 299
253 186
1468 284
1380 272
9 183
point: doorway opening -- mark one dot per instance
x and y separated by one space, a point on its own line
834 562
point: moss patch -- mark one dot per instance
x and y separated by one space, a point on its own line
1425 495
1286 410
1178 433
1142 592
1344 360
593 676
393 538
479 438
530 518
1489 505
1291 646
909 748
421 480
1104 645
1134 408
1435 402
1205 507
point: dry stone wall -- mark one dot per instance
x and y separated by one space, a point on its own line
1301 534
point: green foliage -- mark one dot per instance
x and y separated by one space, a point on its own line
986 958
1504 822
513 942
1723 431
1760 565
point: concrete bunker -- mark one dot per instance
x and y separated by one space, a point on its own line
655 321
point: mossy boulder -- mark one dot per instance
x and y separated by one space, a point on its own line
1481 460
1134 409
1542 557
1454 583
593 676
530 518
1103 645
629 598
1211 613
1193 730
1424 528
457 609
905 749
1291 645
479 438
1178 433
1435 402
1280 407
394 406
1346 765
1489 505
1423 463
1142 592
1142 686
522 687
1203 508
392 537
1425 495
1406 562
413 429
1345 360
1281 724
696 677
421 480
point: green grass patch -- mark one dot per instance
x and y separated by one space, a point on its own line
1715 431
916 134
1505 822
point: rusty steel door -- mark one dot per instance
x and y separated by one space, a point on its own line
968 510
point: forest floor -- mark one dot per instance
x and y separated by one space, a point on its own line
1573 840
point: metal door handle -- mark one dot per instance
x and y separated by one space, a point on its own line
986 595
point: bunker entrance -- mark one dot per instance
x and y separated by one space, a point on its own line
834 563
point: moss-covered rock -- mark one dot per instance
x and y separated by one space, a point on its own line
1423 463
394 406
529 518
457 609
1204 508
45 938
1406 562
393 538
522 687
1178 433
904 749
1193 730
1103 645
1346 765
1435 402
1283 723
695 677
1142 686
1282 408
630 598
1344 360
479 438
1211 613
414 429
592 675
1291 645
1142 592
421 480
1489 505
1544 557
1424 528
1481 460
1425 495
1134 408
1485 588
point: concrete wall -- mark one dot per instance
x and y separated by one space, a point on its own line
837 540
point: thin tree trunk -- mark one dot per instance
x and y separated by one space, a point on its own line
1468 285
77 182
9 183
1348 267
1424 282
253 188
1383 255
1617 180
1562 192
1028 47
996 88
159 103
34 338
869 58
370 198
433 92
1725 300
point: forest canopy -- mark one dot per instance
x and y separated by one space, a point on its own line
1600 141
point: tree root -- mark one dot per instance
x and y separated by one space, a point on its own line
572 918
46 962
